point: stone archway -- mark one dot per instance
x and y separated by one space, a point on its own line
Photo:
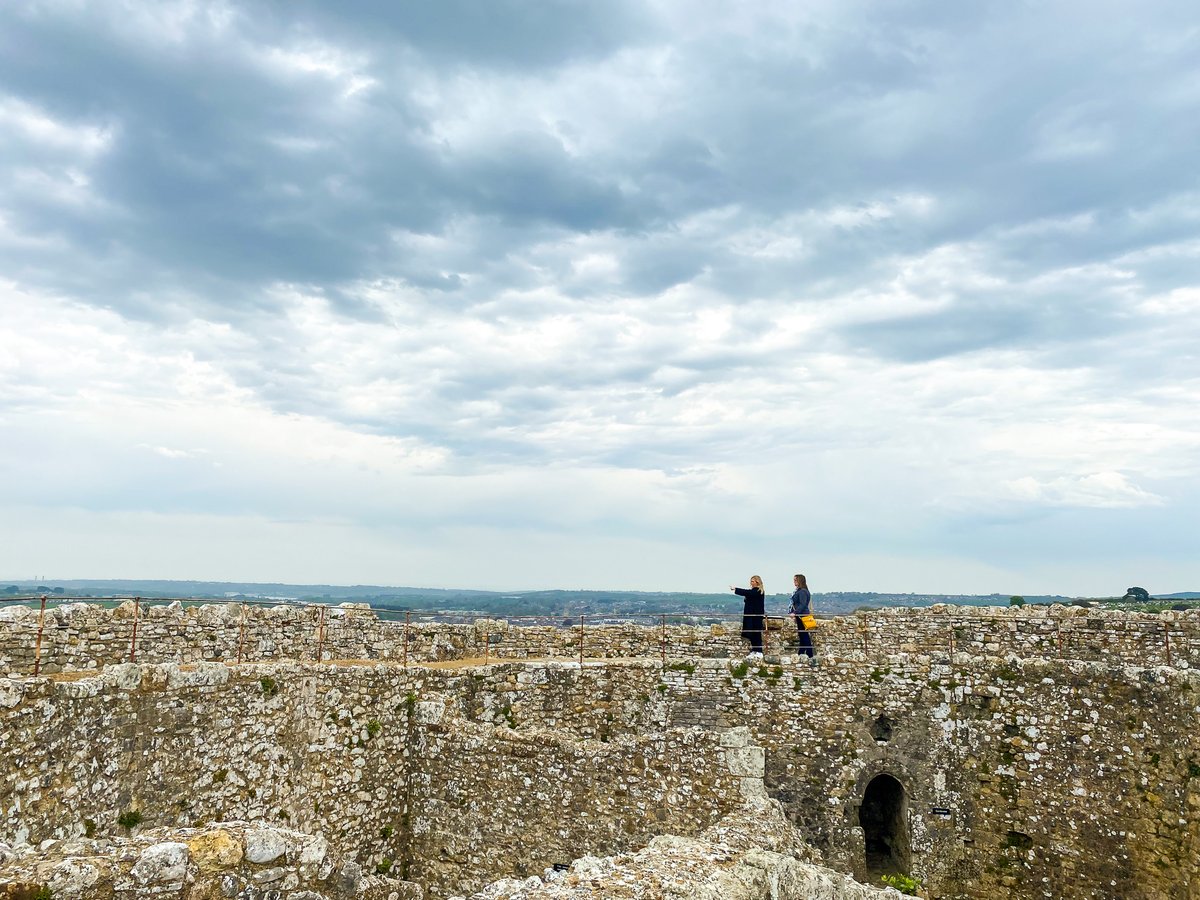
883 816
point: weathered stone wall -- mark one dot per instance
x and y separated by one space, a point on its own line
85 636
378 758
754 853
274 742
1023 778
230 859
542 797
1026 778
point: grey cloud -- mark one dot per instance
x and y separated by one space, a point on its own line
652 267
201 194
224 182
533 179
879 109
506 33
978 323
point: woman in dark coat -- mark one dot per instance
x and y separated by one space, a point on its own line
754 612
802 606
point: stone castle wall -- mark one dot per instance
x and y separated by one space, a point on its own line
379 759
216 862
1022 777
754 853
1031 778
79 636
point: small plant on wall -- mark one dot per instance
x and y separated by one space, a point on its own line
905 884
130 819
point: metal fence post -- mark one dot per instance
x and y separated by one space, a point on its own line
407 621
137 601
581 644
1167 642
664 642
241 633
321 634
37 650
487 642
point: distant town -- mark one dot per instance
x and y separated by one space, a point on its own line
548 602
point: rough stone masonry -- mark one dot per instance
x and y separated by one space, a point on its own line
981 774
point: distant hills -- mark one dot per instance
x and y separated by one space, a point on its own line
512 603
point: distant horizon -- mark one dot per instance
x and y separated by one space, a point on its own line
51 582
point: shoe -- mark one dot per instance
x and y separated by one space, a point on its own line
812 661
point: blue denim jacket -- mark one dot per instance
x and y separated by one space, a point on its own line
801 603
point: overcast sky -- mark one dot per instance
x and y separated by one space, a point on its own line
506 294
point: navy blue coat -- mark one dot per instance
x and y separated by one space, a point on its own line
753 611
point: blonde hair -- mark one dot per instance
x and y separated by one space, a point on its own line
756 581
803 580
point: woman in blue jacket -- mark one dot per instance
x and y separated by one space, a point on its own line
754 612
802 606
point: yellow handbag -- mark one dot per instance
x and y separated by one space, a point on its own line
809 622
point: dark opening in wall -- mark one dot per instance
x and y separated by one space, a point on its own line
883 816
881 730
1018 839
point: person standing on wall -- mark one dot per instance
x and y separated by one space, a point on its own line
754 611
801 611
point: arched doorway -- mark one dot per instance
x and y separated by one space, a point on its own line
883 816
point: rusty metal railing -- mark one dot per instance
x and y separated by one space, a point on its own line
471 636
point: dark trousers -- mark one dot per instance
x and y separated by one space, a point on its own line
804 644
752 630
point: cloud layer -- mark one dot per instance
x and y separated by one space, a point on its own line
601 294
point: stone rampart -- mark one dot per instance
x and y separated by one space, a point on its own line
79 636
753 853
985 775
223 860
380 759
1033 778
